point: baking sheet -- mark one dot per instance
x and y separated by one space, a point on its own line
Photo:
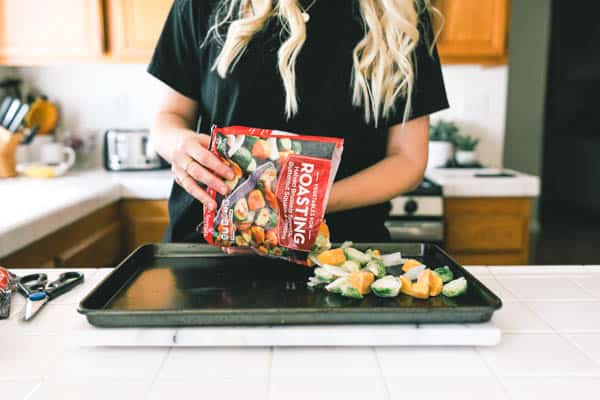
198 285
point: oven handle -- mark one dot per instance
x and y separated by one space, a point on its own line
416 230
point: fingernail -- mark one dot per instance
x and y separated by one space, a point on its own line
230 175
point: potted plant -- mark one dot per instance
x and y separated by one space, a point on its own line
441 136
465 149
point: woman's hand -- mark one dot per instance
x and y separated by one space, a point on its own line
193 163
187 151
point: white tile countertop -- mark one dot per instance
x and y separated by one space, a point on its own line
33 208
463 182
550 347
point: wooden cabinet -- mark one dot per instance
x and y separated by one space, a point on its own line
488 231
93 241
42 32
51 32
474 31
101 239
145 222
134 27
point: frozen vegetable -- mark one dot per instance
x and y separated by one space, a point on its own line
445 273
240 210
409 264
388 286
361 280
414 273
336 285
332 257
262 217
455 288
351 266
389 260
376 268
244 159
356 255
435 283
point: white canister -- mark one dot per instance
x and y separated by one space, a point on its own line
439 154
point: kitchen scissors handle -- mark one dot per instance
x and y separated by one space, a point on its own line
32 283
65 282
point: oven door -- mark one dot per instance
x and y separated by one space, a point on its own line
416 230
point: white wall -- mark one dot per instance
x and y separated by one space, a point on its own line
102 96
477 97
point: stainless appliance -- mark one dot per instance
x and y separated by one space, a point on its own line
418 216
130 150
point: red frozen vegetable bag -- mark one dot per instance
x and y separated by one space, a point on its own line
279 192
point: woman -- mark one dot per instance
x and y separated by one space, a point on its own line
363 70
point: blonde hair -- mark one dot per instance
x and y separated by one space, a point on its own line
383 65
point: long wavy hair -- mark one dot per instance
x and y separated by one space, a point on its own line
383 62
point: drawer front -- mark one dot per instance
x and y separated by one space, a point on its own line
488 233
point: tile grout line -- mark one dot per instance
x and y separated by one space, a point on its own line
584 289
157 373
32 391
494 374
270 372
388 393
562 335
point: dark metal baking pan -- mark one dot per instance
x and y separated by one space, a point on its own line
197 285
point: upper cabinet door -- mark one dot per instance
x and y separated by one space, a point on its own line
134 27
474 31
42 32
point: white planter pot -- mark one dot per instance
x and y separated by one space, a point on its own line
465 157
439 154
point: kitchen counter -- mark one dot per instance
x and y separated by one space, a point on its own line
33 208
462 182
550 347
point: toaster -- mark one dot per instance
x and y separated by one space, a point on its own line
130 150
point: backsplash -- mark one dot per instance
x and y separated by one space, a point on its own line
100 96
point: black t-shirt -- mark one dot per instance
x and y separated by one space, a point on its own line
253 95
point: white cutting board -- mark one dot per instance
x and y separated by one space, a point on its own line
486 334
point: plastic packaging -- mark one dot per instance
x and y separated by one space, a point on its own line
279 194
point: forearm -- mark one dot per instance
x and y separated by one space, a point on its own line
168 131
381 182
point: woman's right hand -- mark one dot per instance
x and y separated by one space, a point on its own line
192 162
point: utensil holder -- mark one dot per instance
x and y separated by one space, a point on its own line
8 147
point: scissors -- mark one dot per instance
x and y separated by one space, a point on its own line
38 291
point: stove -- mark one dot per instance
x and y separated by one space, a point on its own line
418 215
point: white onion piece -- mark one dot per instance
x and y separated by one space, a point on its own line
315 261
334 270
274 153
234 142
392 259
414 272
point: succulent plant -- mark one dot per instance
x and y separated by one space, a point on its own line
465 143
442 131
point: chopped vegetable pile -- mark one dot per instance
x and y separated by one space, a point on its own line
354 273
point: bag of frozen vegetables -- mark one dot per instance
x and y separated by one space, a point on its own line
278 196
